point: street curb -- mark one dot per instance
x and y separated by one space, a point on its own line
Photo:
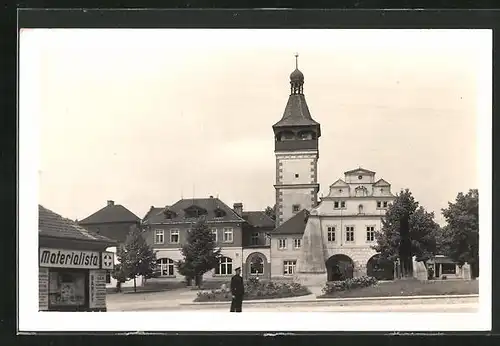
341 300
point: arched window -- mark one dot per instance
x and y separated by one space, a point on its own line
166 267
225 266
257 266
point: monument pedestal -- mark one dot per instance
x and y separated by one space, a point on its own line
311 279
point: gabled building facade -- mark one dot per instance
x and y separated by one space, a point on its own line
241 236
113 221
340 231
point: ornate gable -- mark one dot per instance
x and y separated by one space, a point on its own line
381 182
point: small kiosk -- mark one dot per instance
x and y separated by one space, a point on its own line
73 265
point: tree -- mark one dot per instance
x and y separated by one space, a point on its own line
200 253
136 257
271 212
120 275
462 236
407 230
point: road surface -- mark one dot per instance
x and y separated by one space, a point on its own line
414 305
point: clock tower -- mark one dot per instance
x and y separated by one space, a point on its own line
296 148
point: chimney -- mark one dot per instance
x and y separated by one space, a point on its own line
238 208
110 202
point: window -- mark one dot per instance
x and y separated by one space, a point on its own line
297 243
228 235
219 213
289 267
174 236
281 244
214 233
159 236
67 287
385 204
349 233
108 277
331 234
296 208
166 267
448 268
225 266
379 204
360 209
257 266
254 240
339 204
370 233
296 175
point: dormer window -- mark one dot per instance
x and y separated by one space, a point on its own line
194 211
219 212
169 214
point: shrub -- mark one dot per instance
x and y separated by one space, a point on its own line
256 289
349 284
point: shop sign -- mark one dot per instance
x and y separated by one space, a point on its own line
57 258
97 289
43 289
107 260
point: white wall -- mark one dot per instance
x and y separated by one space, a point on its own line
279 256
128 283
300 166
235 253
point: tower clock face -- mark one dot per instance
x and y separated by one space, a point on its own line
360 177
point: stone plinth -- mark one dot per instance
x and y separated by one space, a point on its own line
419 270
466 271
312 255
311 279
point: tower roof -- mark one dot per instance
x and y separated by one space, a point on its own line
296 75
296 111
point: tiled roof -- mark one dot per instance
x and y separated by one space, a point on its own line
296 113
258 219
54 225
153 211
109 214
294 225
208 204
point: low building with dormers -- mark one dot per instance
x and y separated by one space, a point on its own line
243 236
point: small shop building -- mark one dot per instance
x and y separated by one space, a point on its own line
444 267
73 265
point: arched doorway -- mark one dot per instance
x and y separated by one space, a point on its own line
380 268
256 264
339 267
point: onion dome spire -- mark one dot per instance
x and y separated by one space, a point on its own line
296 79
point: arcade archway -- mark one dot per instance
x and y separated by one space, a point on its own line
257 264
339 267
380 268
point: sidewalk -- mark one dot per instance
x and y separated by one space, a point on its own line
311 298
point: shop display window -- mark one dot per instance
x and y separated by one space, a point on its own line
67 288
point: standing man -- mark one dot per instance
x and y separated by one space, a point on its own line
237 290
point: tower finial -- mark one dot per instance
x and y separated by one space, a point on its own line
297 61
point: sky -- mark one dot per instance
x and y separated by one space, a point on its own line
145 117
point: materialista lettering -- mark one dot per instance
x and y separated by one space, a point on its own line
75 258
